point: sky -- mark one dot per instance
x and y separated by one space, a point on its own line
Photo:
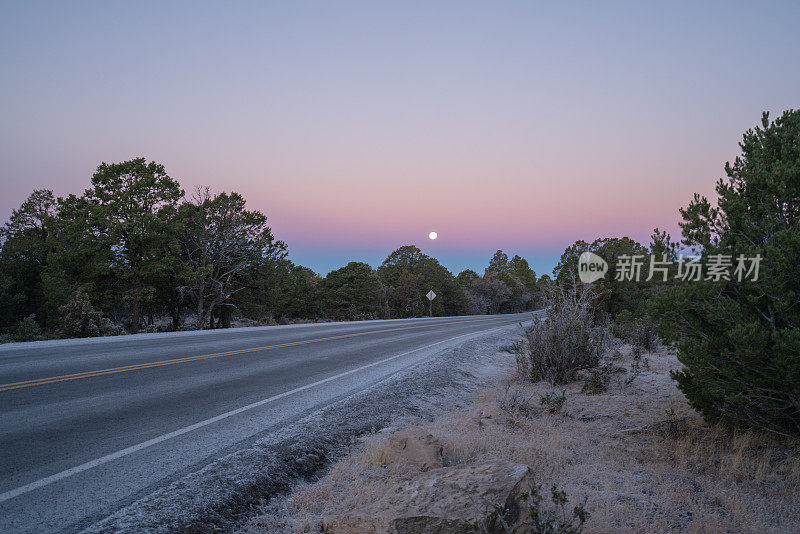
358 127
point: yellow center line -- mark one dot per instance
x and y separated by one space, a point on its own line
136 367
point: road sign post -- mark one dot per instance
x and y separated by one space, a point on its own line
431 295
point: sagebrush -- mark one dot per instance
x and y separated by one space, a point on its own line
566 341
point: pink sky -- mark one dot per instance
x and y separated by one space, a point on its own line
360 127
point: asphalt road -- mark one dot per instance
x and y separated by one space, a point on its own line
89 426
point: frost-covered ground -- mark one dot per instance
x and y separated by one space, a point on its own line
224 493
635 455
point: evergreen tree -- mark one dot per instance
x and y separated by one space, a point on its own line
351 292
23 258
221 243
739 339
411 274
117 240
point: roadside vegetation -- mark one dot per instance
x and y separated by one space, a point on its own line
631 457
135 253
612 445
737 337
651 406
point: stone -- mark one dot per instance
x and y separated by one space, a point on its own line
448 500
412 447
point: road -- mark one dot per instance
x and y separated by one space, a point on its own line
89 426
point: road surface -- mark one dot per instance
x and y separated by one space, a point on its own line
89 426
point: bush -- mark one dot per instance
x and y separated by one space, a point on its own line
79 319
640 331
486 295
554 520
539 518
27 330
553 401
597 382
567 341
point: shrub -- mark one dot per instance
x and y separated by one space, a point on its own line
514 401
597 382
554 520
553 401
539 518
565 342
79 319
486 295
640 331
27 330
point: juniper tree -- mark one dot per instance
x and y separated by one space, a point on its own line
351 292
739 339
23 258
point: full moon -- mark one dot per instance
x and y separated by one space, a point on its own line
433 235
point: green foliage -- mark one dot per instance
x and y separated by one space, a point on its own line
739 340
298 293
566 271
12 299
638 329
497 264
118 239
78 259
538 517
352 292
27 330
78 318
24 257
520 280
132 250
612 295
222 243
465 277
553 520
410 274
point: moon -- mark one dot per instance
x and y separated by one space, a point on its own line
433 235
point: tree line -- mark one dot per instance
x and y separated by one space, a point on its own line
135 253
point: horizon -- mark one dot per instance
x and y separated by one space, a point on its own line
521 128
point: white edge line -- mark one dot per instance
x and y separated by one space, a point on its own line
185 430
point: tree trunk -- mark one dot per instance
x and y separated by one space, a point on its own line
201 317
175 312
225 315
135 316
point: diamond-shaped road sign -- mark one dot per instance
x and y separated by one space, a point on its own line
431 295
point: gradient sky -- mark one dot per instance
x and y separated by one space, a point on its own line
360 127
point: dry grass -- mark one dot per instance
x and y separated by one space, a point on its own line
642 458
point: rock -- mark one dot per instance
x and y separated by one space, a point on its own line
412 447
448 500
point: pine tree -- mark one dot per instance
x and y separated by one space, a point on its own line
740 339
